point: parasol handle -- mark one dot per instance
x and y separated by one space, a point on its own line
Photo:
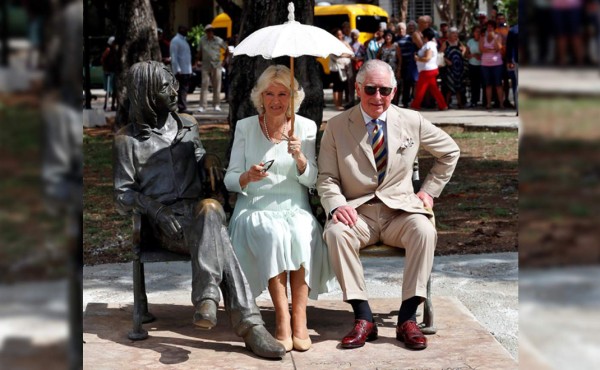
291 19
291 132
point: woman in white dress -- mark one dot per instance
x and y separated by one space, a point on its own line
272 228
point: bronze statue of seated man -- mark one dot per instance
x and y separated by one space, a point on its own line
156 173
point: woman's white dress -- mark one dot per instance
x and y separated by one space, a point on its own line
272 228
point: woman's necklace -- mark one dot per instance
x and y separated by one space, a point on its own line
267 130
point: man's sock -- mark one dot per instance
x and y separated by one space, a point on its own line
362 310
408 310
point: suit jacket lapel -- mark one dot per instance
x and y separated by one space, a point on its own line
357 128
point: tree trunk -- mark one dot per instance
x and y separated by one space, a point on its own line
404 11
468 8
246 70
445 10
138 41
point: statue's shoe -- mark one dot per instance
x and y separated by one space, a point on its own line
205 316
262 343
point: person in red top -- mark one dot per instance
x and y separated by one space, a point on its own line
109 61
426 59
164 44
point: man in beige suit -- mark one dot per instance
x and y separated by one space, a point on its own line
365 183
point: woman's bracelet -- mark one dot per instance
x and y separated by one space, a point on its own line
301 170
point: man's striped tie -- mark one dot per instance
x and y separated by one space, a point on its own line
379 150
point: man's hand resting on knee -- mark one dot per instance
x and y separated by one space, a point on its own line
346 215
426 198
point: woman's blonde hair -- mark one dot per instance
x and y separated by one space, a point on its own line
279 74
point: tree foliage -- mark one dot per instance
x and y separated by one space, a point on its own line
466 8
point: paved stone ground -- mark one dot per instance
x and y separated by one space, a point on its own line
461 343
479 291
560 316
467 118
560 82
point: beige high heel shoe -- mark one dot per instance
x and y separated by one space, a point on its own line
287 343
302 344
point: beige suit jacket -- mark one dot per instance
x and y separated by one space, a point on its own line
347 171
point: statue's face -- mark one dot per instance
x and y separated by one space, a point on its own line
166 98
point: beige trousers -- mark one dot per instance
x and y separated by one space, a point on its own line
378 223
212 76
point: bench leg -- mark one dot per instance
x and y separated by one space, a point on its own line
146 316
138 332
427 324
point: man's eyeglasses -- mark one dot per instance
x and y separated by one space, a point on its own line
383 91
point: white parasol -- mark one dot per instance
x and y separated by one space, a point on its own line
291 39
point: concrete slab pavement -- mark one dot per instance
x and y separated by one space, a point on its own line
560 316
477 118
574 82
174 342
475 306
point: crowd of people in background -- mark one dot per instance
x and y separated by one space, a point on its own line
476 66
449 69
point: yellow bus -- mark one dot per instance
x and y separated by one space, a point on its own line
222 26
363 17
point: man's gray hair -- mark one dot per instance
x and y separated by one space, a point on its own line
375 64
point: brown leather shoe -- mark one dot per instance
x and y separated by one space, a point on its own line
363 331
411 335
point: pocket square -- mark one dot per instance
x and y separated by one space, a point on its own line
407 143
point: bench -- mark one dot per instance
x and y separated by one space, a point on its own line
147 249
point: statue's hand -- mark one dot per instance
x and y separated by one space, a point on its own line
213 170
168 224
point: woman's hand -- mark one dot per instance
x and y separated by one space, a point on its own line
255 173
295 149
294 146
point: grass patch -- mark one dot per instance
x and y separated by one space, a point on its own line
482 195
502 212
561 117
33 243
